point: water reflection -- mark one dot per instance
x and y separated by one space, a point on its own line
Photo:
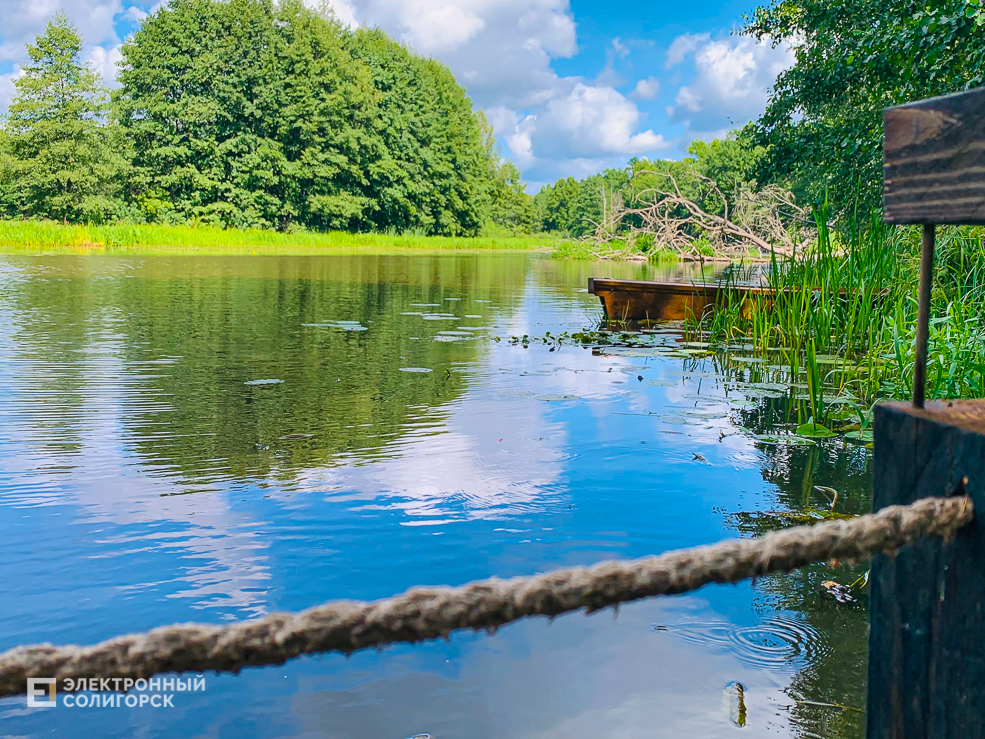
216 438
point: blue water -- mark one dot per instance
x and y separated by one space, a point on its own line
144 482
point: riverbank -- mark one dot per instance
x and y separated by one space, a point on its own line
48 236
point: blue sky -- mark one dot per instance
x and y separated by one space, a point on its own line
571 86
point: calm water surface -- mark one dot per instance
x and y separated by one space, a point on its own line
149 478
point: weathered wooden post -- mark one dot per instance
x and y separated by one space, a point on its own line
927 603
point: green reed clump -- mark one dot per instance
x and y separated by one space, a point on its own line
844 313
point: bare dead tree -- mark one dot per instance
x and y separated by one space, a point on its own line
765 220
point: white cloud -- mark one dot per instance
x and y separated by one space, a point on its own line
646 89
592 121
501 50
7 88
578 133
684 45
731 84
135 14
104 61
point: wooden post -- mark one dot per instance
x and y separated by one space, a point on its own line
923 316
927 603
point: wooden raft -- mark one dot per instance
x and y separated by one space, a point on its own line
639 300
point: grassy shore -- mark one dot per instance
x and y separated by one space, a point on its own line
48 236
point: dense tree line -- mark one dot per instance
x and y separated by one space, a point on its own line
248 113
578 208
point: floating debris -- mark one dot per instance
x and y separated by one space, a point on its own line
735 703
841 593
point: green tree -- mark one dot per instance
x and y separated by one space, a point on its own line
823 125
61 159
198 80
510 206
251 113
577 207
436 178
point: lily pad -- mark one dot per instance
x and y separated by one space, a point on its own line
704 414
749 360
782 439
415 369
557 398
264 382
815 431
625 351
662 383
860 437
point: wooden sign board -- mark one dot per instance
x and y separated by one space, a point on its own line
934 161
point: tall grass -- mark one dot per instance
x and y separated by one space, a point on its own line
844 314
52 236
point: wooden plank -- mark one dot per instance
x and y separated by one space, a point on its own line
934 161
927 603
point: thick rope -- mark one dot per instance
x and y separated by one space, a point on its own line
428 613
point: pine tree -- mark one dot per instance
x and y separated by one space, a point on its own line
60 162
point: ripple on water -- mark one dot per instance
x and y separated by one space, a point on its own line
779 643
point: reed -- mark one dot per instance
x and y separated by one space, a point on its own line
34 236
844 315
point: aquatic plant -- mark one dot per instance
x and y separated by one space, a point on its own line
844 312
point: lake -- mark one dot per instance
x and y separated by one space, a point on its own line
216 438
